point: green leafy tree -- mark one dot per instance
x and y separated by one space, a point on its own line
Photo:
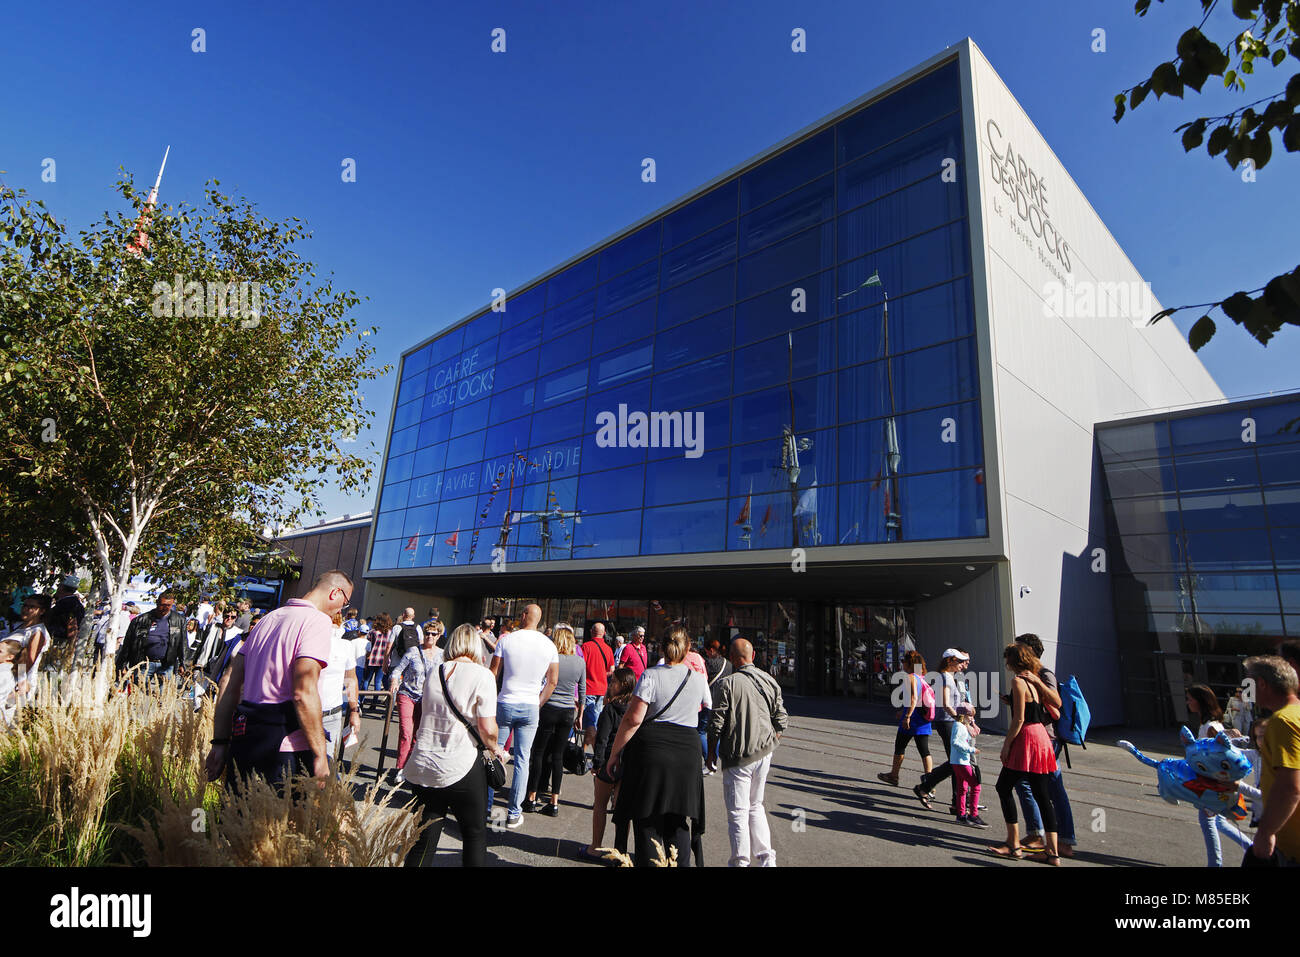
174 381
1243 135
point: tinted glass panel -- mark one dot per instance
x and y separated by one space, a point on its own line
1141 441
894 217
767 363
629 362
694 384
802 255
570 315
469 418
706 294
615 489
784 172
404 441
523 336
924 260
699 527
807 206
577 278
564 385
923 318
602 536
632 251
525 305
699 216
800 303
1280 465
698 256
1204 433
623 327
631 286
918 157
699 337
1283 506
932 95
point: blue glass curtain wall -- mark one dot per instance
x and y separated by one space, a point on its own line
788 359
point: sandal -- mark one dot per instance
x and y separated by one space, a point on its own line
1052 859
1013 853
924 797
888 778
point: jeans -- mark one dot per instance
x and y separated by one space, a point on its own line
1060 803
1211 825
593 705
1008 781
465 800
742 793
703 727
521 720
156 668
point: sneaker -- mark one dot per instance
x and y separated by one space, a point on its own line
528 807
400 777
515 821
551 810
962 819
976 821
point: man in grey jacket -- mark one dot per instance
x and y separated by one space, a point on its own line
748 718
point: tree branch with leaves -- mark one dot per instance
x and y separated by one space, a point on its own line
1242 135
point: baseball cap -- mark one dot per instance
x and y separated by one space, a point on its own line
954 653
71 581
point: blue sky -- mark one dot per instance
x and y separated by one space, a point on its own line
477 170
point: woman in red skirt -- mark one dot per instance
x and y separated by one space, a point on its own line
1027 751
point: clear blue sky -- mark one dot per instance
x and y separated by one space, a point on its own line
477 170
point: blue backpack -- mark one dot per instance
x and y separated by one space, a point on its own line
1072 727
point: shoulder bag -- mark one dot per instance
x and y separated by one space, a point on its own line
496 771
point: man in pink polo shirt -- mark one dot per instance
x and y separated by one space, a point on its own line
268 720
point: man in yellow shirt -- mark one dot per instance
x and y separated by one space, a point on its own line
1279 828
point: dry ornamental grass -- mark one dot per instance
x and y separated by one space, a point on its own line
93 776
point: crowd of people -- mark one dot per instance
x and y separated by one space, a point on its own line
541 699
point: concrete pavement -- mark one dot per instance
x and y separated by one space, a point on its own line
826 807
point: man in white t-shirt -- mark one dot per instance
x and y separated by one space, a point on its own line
338 680
525 662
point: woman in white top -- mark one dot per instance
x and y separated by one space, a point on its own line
444 769
658 747
1203 709
33 637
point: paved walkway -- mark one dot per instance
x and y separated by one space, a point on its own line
827 808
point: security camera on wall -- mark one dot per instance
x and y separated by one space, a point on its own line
1025 590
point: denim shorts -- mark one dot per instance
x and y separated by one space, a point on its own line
592 708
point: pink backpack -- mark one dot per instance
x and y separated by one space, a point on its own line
927 697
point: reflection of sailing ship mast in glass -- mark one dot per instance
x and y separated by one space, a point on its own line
791 446
549 512
893 455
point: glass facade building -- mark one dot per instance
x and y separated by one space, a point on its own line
787 401
825 401
1203 521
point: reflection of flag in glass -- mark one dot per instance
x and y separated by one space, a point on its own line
743 518
979 477
412 543
455 537
767 517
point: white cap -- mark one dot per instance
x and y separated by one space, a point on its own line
954 653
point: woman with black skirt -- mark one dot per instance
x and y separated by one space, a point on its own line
662 788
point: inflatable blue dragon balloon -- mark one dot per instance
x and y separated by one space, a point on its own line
1205 778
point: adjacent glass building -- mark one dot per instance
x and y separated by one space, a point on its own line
1203 520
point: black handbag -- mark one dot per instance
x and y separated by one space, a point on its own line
496 771
575 757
